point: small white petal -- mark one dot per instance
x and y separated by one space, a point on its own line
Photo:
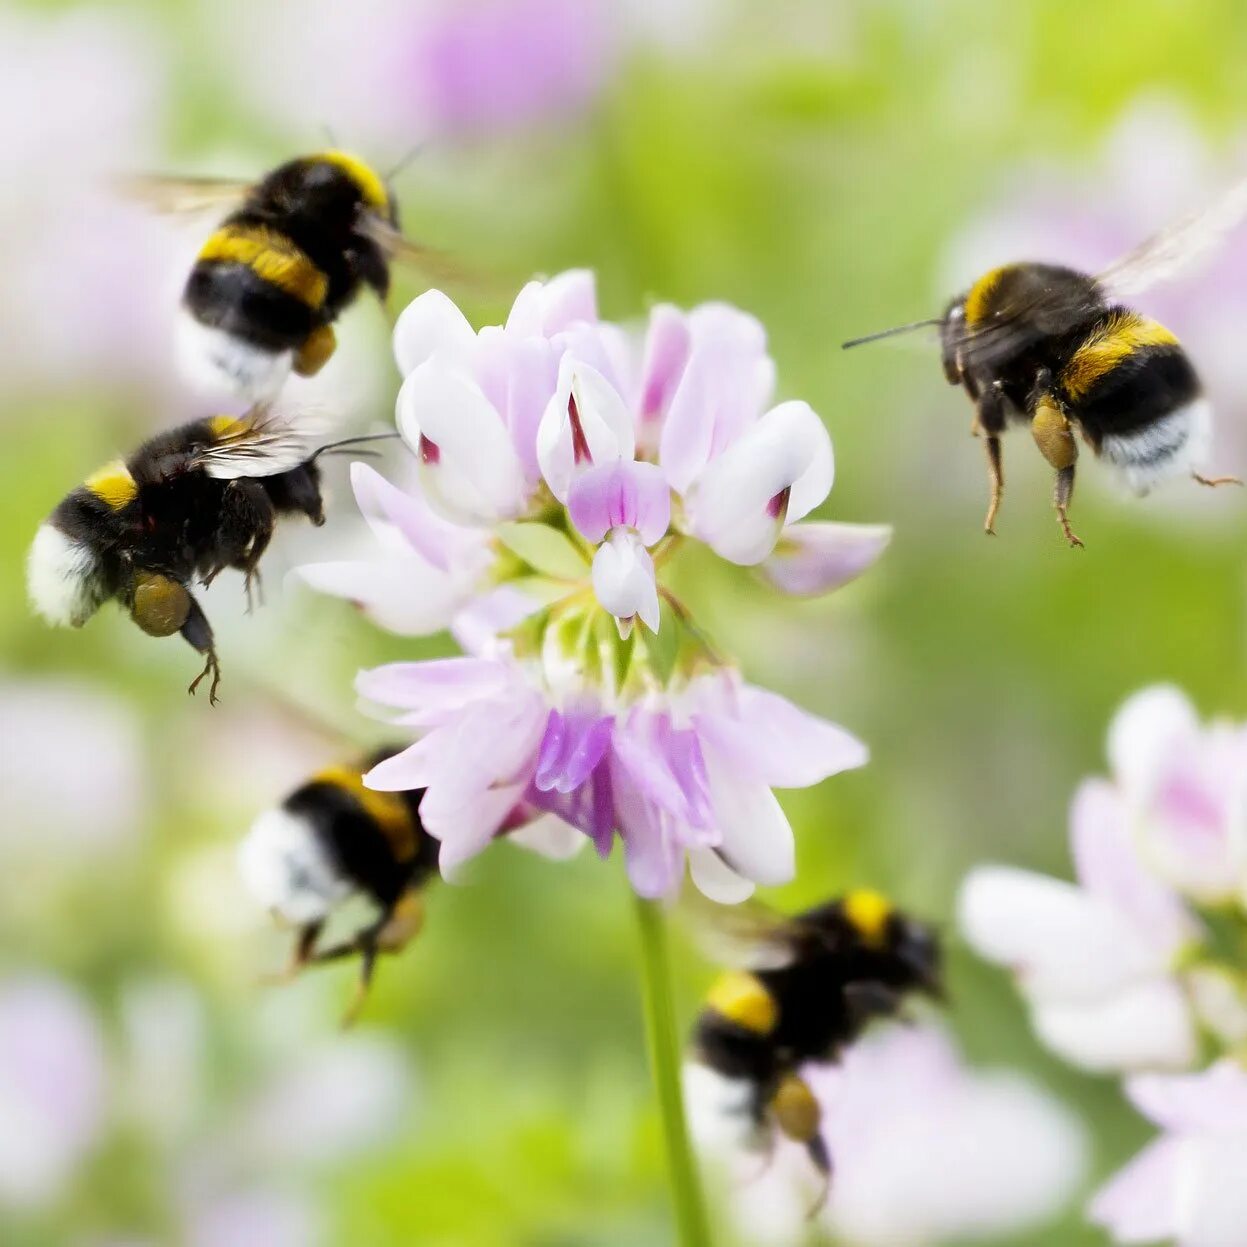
757 838
1144 730
623 578
431 324
735 506
716 879
474 474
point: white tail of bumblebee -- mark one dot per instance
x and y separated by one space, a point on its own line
63 578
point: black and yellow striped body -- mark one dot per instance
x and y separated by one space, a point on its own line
375 839
850 960
280 269
1031 337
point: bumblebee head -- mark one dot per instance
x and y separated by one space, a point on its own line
903 952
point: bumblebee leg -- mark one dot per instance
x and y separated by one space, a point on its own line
817 1149
247 523
1213 481
301 955
198 634
996 481
1054 435
367 967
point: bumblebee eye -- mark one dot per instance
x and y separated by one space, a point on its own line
160 605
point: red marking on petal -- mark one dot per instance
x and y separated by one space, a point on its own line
778 506
580 443
429 451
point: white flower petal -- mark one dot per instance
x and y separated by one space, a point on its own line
431 324
778 469
716 879
623 578
815 558
756 839
469 468
1144 1026
1144 730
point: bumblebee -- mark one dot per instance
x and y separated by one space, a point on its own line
806 989
269 283
1064 352
188 504
333 838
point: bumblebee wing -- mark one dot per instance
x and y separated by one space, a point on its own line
1173 251
437 266
261 443
183 195
749 936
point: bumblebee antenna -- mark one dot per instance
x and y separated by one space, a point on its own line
354 441
890 333
410 155
327 131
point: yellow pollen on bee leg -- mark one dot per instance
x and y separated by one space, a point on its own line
743 998
796 1110
316 351
112 485
868 912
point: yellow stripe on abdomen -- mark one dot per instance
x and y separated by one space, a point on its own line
1115 341
112 485
272 257
743 998
387 809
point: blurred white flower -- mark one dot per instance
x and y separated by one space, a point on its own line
337 1098
52 1087
52 728
1097 961
1184 786
1186 1187
924 1151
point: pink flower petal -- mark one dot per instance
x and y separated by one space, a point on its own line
1214 1100
403 596
468 466
542 309
1140 1203
771 739
777 470
1108 865
668 340
622 493
1144 732
436 684
814 558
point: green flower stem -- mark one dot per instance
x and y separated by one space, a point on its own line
664 1051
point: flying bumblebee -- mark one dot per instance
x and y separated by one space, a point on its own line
269 283
1064 352
806 989
333 838
188 504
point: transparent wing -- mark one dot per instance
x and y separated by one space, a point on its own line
437 266
182 195
1181 247
265 442
750 936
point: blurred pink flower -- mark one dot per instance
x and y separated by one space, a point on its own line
924 1151
1184 787
1155 166
389 73
57 726
102 311
52 1088
1186 1187
1098 961
255 1217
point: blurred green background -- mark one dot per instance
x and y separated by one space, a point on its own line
827 165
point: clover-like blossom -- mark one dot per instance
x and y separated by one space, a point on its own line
1187 1186
1184 787
559 463
924 1149
1099 962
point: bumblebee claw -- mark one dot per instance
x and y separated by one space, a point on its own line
821 1201
211 667
1213 481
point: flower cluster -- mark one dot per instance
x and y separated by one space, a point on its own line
1134 968
560 466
